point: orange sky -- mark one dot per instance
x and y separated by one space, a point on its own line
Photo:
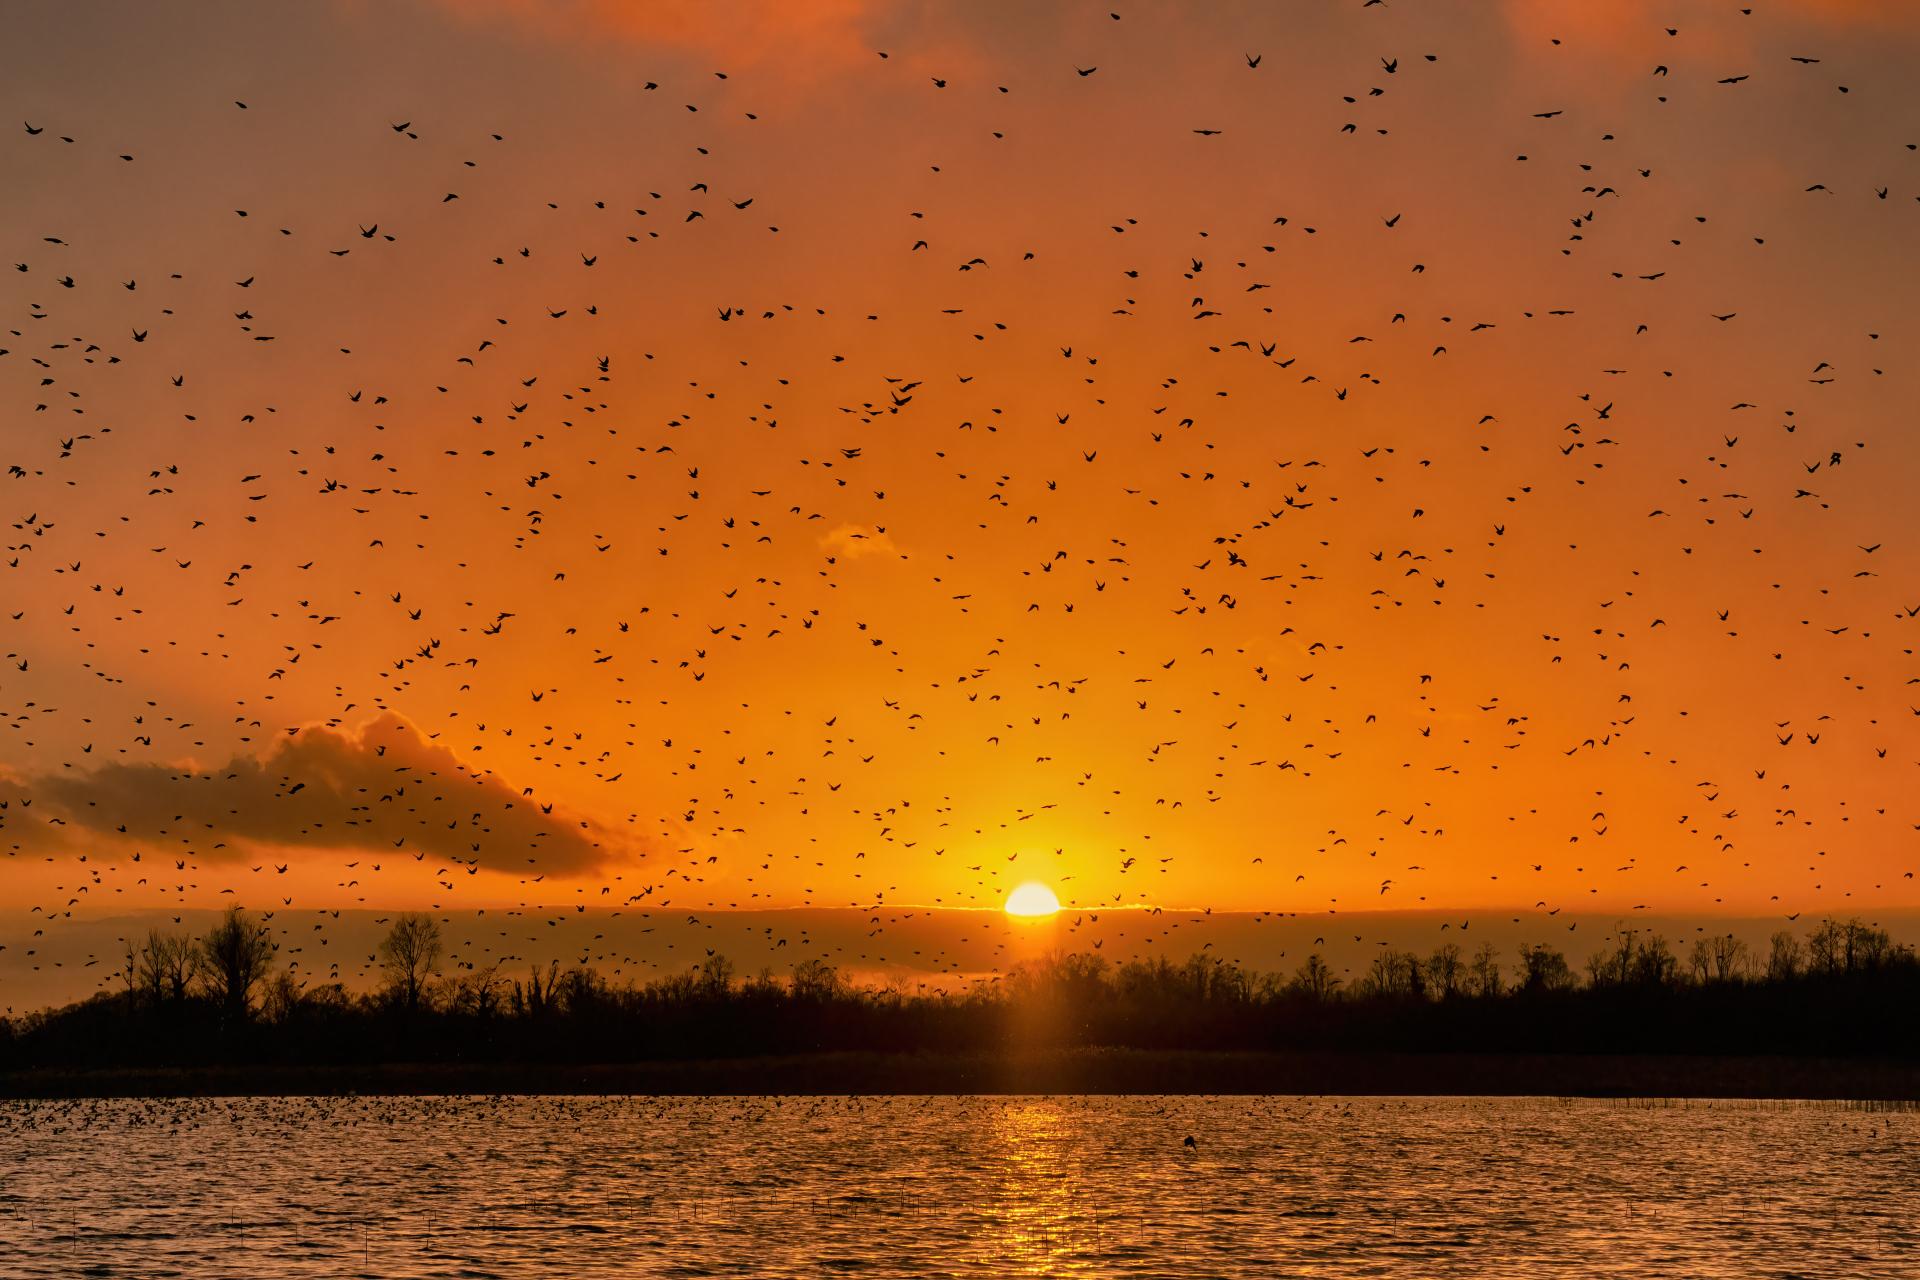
1282 518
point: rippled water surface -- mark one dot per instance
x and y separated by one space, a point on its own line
514 1187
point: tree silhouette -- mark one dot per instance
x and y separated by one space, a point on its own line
716 976
815 980
1654 964
1395 975
164 967
234 957
1314 980
1784 957
410 956
1544 969
1855 999
1445 971
535 997
1483 978
1717 958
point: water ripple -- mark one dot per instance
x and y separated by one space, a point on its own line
503 1188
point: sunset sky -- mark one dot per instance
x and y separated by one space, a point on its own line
557 454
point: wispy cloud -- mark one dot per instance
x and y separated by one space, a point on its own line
1641 28
852 541
814 35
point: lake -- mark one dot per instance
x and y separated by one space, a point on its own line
944 1186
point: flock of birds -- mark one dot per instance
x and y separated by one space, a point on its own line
737 527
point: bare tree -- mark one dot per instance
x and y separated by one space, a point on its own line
1726 956
130 972
1206 979
1847 948
1382 978
1313 979
1654 964
581 991
1700 961
716 975
1146 976
1395 975
281 998
535 997
1620 967
173 960
815 980
1871 947
164 966
233 959
1544 969
1783 957
410 954
481 993
1484 978
1445 970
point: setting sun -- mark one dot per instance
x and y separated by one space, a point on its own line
1032 899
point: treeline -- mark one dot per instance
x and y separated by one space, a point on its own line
1843 988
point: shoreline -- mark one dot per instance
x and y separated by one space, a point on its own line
1081 1071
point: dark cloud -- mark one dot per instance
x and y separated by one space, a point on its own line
382 786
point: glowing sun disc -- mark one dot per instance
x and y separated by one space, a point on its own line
1032 899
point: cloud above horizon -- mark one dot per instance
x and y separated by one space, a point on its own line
382 786
1622 26
744 31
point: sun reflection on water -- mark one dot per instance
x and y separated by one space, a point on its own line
1039 1220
